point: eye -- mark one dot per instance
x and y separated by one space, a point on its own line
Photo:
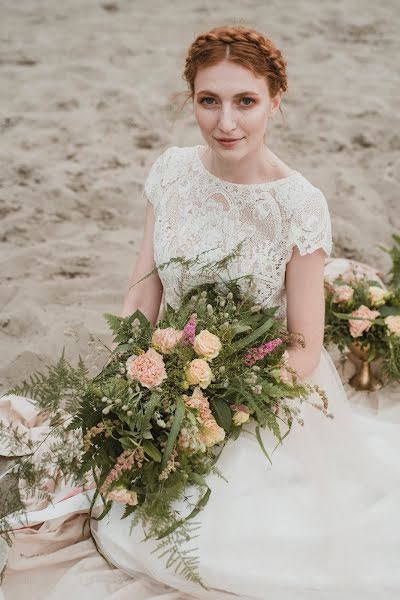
248 101
247 98
206 98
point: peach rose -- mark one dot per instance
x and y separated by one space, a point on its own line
199 401
393 324
166 339
207 344
376 295
342 293
357 328
198 372
121 494
211 433
147 368
241 414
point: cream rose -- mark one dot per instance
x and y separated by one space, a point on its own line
393 324
241 414
207 344
166 339
198 372
121 494
357 327
147 368
211 433
376 295
342 293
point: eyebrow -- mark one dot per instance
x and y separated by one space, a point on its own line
209 92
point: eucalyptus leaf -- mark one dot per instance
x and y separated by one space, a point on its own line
258 435
239 329
387 311
173 434
127 443
121 348
222 413
249 339
151 450
235 433
149 411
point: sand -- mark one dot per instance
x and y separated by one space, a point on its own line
87 105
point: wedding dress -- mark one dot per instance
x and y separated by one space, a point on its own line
321 522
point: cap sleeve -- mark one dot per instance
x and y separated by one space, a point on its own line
310 225
153 185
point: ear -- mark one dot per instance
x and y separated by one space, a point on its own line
275 103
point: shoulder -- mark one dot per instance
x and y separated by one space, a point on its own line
309 219
304 196
173 154
166 168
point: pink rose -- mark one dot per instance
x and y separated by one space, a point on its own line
342 293
121 494
200 402
166 339
147 368
198 372
357 327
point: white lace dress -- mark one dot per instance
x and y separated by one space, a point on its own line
323 521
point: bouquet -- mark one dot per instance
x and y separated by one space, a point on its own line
364 317
156 417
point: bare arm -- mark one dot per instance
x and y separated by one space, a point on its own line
146 295
306 308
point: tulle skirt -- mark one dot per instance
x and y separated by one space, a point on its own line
323 521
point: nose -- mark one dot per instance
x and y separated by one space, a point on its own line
227 120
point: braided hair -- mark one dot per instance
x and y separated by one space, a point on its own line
242 45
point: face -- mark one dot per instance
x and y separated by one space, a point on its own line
231 103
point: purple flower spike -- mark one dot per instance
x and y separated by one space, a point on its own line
189 331
258 352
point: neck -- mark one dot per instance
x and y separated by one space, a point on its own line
256 166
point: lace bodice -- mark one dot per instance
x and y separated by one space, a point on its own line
197 212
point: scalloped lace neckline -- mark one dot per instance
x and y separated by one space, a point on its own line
241 185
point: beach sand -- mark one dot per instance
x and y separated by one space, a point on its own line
87 105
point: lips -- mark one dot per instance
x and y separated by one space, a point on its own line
228 142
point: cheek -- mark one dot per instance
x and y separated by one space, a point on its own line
204 118
256 117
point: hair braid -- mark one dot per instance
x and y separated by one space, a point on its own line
243 45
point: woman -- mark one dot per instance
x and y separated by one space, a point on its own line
318 520
322 521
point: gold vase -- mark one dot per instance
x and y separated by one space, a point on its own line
363 378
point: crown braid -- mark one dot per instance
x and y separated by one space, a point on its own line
250 48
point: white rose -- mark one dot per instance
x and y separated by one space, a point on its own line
376 295
207 344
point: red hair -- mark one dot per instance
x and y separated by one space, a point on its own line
242 45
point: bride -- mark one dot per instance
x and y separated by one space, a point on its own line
324 517
323 520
